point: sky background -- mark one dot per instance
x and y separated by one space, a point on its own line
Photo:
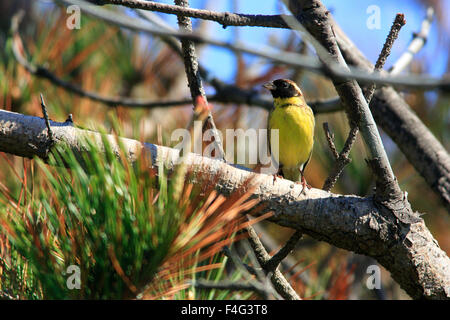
350 14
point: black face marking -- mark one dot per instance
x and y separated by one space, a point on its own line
284 89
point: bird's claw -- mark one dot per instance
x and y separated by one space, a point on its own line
275 176
304 185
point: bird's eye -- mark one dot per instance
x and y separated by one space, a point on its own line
285 85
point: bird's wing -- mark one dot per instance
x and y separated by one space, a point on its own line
310 154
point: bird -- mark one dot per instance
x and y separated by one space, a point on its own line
294 119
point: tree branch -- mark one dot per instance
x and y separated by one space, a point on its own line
278 280
254 286
288 58
330 139
391 112
399 22
417 43
275 260
350 222
343 158
195 81
224 18
225 93
399 121
316 26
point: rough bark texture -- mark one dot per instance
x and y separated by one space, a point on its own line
316 19
189 55
224 18
407 250
400 122
414 139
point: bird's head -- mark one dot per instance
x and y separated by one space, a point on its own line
283 88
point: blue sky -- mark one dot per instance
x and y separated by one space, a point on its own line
351 16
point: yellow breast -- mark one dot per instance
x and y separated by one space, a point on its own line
296 130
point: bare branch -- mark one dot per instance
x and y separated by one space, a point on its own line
42 72
280 283
224 18
272 263
254 286
318 29
417 43
396 118
288 58
399 22
343 158
189 55
195 81
330 139
350 222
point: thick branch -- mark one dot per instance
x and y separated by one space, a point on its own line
437 158
391 112
408 251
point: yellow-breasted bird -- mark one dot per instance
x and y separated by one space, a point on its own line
295 121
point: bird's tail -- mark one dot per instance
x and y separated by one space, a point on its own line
292 174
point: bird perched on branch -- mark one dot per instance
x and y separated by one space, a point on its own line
295 121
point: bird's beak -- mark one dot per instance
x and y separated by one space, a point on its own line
269 86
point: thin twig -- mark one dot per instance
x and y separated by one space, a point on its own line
330 139
341 161
280 283
276 259
399 22
248 271
335 70
224 18
195 81
47 121
343 158
233 286
417 43
225 93
272 21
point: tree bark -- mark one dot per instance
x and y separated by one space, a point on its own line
359 224
400 122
